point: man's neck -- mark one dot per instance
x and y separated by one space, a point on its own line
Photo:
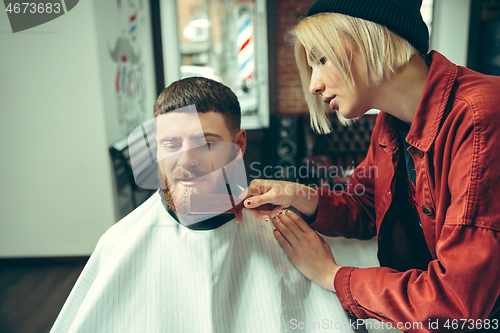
207 224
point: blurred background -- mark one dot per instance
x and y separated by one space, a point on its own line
72 90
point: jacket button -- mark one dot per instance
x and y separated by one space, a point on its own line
418 152
427 210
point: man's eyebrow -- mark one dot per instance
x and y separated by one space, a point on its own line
205 134
195 136
169 138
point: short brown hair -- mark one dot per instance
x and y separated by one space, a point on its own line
206 94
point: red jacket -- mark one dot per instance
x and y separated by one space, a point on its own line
454 273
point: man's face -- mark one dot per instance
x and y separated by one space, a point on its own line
192 150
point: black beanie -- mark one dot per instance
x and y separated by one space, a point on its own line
400 16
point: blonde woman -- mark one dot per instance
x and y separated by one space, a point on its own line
428 188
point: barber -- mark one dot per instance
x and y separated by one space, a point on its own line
430 180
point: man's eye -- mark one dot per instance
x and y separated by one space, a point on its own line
171 146
322 60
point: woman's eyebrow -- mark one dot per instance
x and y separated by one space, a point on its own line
312 54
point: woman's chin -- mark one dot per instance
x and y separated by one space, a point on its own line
344 119
348 118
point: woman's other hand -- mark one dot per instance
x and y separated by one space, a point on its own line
307 250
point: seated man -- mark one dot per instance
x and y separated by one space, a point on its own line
164 269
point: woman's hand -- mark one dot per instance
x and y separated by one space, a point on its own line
307 250
279 193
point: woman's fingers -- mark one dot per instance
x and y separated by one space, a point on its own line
257 187
259 200
239 215
278 210
258 215
299 221
280 193
307 251
283 242
288 228
261 191
290 224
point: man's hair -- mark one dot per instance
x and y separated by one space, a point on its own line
206 94
382 53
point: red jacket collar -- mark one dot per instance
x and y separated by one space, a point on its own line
430 110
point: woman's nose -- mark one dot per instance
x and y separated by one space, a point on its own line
316 86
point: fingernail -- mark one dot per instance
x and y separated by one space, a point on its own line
249 203
266 220
275 230
280 213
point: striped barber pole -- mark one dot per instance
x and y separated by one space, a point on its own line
244 41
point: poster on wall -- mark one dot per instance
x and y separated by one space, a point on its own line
125 52
130 89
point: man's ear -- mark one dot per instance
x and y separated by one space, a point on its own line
241 140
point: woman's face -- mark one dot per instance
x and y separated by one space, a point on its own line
350 100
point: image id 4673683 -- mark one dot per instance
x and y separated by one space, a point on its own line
26 15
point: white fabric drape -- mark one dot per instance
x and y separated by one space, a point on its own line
150 274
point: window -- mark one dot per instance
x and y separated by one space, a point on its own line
427 10
224 40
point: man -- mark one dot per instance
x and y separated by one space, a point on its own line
161 269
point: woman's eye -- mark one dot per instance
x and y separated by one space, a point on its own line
322 60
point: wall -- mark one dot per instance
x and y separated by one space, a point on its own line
55 195
450 29
290 95
126 67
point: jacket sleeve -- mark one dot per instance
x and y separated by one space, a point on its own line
462 284
350 211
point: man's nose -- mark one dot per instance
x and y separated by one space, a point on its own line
189 158
316 86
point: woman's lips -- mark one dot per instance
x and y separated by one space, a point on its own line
330 101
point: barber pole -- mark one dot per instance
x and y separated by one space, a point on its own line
244 41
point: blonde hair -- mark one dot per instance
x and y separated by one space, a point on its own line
382 54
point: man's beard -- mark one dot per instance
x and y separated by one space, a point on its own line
175 193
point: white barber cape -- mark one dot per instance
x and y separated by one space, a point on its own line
150 274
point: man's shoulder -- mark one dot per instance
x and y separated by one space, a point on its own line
147 213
